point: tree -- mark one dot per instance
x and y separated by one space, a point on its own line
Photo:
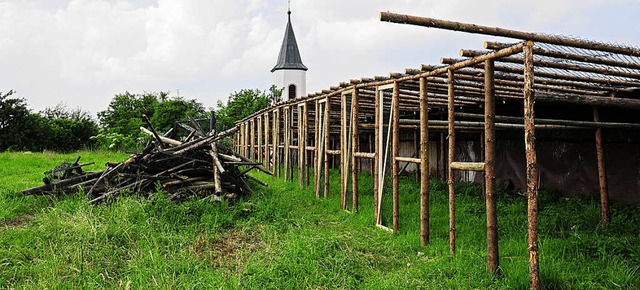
14 120
120 123
244 103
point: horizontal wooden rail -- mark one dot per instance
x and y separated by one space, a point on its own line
333 152
408 159
471 166
368 155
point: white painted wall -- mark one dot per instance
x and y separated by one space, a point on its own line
282 78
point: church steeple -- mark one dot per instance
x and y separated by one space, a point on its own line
290 74
289 57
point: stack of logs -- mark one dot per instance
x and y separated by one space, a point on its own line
195 167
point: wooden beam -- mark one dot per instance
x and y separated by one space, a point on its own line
532 167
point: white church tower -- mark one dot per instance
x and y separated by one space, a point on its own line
289 73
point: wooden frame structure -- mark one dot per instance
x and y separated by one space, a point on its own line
323 125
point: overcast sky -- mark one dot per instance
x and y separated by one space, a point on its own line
82 52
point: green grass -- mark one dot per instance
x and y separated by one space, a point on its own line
282 237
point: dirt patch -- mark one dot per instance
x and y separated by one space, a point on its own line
231 249
20 221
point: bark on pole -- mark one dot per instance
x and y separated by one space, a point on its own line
602 170
260 123
452 149
287 141
424 163
327 131
489 167
268 140
276 142
443 166
532 164
301 146
355 145
495 31
343 152
395 144
317 143
305 140
377 159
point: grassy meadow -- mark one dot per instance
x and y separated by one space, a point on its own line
283 237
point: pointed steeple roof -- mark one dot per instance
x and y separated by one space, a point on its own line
289 57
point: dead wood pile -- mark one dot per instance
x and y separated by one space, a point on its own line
197 167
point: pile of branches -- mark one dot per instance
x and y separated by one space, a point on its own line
196 167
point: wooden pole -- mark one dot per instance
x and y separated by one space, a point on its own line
301 145
318 143
287 143
443 166
343 152
452 149
327 131
260 123
602 170
355 146
424 163
276 141
305 142
493 256
267 140
532 164
495 31
253 140
377 159
395 144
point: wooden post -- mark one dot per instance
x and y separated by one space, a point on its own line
424 163
602 170
317 143
260 123
489 166
305 141
287 142
301 146
276 142
343 152
452 149
443 166
267 140
327 131
532 164
394 153
252 154
377 159
355 147
247 136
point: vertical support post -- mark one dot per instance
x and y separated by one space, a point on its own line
327 132
532 164
276 142
424 163
493 256
343 152
301 146
443 167
355 147
377 159
452 150
252 135
287 142
247 136
316 155
305 141
267 140
602 171
260 124
395 144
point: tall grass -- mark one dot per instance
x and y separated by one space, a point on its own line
283 237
